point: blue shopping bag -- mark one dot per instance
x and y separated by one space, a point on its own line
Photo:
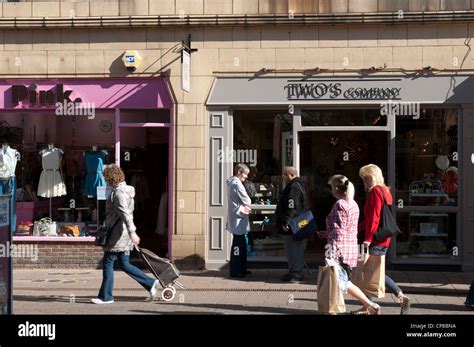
303 226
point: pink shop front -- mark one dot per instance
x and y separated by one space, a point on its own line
56 135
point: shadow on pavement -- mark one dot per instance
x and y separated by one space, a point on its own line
239 309
76 299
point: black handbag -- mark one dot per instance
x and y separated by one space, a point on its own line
387 225
103 234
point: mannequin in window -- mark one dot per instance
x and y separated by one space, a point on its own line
94 161
8 159
51 182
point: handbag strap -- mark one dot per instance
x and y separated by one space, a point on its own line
383 196
112 194
305 207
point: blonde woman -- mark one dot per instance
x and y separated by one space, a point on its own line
378 192
341 235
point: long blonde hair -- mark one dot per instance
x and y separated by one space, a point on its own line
375 172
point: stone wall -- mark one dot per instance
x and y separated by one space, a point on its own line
201 7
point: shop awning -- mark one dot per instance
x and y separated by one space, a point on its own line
104 93
425 89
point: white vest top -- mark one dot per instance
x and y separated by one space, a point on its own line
8 161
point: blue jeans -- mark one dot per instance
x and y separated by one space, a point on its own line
389 283
108 261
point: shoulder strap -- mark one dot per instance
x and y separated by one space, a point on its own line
304 195
112 195
115 224
383 195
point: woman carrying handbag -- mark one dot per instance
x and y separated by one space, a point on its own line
341 235
123 237
378 193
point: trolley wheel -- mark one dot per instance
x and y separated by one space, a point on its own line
173 289
168 294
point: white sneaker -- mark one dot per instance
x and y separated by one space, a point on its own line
100 302
153 290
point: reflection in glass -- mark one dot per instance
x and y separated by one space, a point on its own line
426 234
349 117
262 140
426 159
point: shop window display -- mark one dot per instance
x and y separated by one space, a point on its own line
62 159
427 176
51 175
259 142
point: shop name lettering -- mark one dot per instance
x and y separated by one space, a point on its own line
61 100
331 91
43 97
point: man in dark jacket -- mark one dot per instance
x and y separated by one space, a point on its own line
292 203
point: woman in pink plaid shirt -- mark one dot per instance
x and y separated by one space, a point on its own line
341 234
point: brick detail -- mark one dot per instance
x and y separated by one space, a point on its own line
60 255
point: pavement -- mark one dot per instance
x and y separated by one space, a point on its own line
68 291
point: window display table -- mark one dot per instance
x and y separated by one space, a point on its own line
35 210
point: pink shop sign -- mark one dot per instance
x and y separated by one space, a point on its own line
106 93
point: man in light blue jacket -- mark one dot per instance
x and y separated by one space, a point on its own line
238 208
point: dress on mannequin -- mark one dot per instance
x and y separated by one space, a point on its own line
94 160
8 160
51 183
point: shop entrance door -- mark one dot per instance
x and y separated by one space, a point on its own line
323 154
148 167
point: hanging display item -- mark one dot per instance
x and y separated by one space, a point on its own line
94 160
358 149
51 182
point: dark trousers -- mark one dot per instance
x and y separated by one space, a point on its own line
238 255
470 295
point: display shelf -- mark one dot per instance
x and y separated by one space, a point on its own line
427 214
255 207
428 195
429 235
